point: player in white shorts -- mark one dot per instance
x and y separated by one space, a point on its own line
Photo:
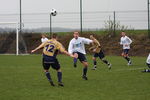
125 41
148 64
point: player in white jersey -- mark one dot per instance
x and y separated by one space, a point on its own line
77 48
44 38
125 41
148 64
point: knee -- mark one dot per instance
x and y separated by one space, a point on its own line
59 70
76 55
94 58
85 64
46 70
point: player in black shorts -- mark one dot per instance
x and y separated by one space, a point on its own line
50 50
77 48
96 48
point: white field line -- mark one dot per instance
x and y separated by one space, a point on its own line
130 69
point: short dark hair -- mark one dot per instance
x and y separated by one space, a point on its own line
54 35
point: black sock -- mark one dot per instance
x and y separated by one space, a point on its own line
59 75
48 76
84 71
95 63
127 58
106 62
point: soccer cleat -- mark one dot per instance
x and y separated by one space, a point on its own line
51 83
84 77
75 65
109 66
129 63
146 70
60 84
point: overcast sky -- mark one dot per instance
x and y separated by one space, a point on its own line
44 6
91 20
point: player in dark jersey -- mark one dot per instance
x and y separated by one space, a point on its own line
50 50
96 48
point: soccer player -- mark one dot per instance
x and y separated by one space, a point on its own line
77 48
148 64
50 50
125 41
97 50
44 38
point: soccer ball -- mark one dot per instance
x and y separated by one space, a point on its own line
53 12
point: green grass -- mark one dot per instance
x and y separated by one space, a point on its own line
22 78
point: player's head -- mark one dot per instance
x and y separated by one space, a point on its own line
54 36
92 37
76 34
123 34
43 35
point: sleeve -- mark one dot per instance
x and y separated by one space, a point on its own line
86 41
70 48
41 40
121 42
60 47
129 40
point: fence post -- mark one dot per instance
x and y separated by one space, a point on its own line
81 16
114 32
148 18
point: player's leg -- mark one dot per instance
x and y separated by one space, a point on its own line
147 70
94 63
56 66
46 67
126 56
75 59
83 60
59 76
102 57
85 68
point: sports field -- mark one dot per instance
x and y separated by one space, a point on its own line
22 78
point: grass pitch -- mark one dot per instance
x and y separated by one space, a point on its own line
22 78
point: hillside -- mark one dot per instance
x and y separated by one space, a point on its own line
140 45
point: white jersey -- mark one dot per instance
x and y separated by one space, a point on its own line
44 39
148 59
77 45
125 41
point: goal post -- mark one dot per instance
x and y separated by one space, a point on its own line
16 24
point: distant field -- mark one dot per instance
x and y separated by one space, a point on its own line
22 78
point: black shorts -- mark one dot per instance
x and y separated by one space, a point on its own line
50 61
100 55
126 51
81 56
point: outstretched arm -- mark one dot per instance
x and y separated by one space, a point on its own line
39 47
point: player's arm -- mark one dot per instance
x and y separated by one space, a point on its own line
62 50
130 41
87 41
70 48
121 43
39 47
91 48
